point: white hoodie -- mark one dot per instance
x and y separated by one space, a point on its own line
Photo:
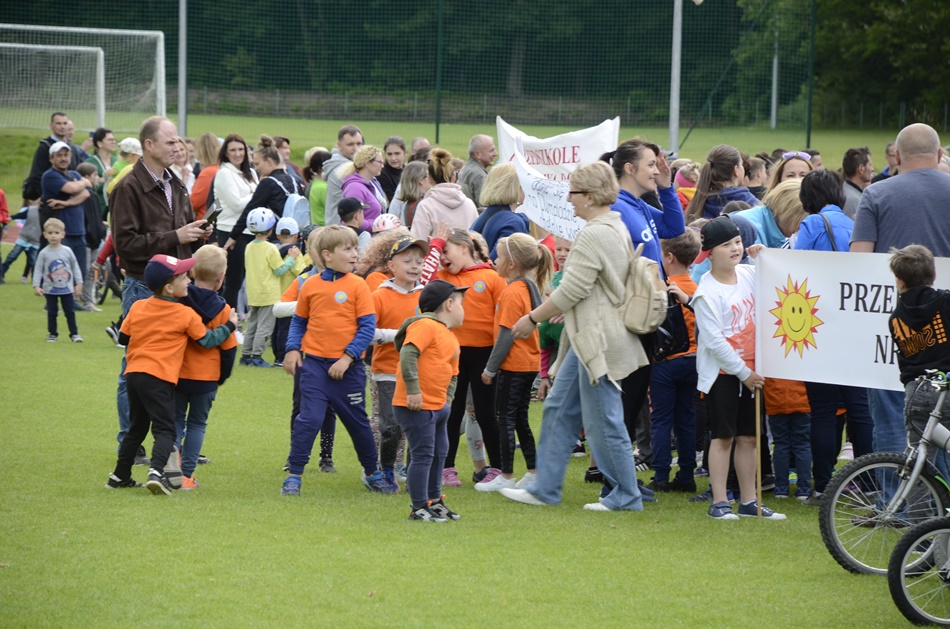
444 202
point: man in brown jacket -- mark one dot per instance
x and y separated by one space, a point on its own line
150 214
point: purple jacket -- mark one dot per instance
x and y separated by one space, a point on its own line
358 188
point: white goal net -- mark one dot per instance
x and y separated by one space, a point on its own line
68 78
133 77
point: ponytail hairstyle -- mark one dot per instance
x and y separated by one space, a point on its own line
440 166
463 238
718 171
629 152
267 149
315 167
529 256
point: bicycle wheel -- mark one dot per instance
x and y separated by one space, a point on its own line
918 574
855 531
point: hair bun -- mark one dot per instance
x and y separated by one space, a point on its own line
266 141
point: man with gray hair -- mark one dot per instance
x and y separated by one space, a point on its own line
481 155
896 212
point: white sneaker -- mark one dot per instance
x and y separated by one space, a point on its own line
527 479
596 506
499 482
847 452
522 496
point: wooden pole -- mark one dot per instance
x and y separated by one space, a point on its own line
758 459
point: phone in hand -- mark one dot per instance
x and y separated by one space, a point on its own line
212 219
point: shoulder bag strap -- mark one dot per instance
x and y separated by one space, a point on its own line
829 231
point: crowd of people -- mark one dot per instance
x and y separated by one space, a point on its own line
417 266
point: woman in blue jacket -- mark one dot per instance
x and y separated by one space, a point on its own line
641 168
822 196
501 195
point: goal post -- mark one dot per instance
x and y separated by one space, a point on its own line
67 78
134 68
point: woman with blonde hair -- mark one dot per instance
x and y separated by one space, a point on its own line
597 354
777 218
445 201
501 195
794 165
360 181
206 152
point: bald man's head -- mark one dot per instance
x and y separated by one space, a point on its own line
918 141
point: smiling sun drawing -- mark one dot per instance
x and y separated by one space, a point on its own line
795 311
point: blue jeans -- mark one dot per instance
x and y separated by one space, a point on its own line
132 291
78 246
428 443
18 248
573 403
887 411
791 434
672 385
825 439
191 421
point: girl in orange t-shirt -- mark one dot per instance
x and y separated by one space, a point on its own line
525 264
476 336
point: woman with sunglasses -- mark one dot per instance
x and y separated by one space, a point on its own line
719 183
794 165
361 181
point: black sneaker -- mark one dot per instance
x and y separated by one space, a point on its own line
113 331
642 464
326 465
141 458
579 450
158 484
677 484
203 460
593 475
439 509
423 514
768 482
115 482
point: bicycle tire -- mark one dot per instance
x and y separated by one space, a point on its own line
857 536
921 589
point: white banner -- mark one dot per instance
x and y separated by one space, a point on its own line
822 316
544 167
545 201
557 157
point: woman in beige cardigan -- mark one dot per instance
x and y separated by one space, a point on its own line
597 352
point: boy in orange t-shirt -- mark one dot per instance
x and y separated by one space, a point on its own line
425 386
396 300
156 331
203 369
334 323
673 380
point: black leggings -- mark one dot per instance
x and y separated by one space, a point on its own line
472 361
234 275
512 399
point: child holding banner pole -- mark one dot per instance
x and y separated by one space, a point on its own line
724 304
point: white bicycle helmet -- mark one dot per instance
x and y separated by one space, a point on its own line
385 222
260 220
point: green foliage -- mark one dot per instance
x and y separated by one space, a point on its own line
888 52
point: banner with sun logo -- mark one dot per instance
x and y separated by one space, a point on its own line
822 316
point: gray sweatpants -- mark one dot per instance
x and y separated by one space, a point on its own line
260 325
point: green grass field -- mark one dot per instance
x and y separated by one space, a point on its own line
236 553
